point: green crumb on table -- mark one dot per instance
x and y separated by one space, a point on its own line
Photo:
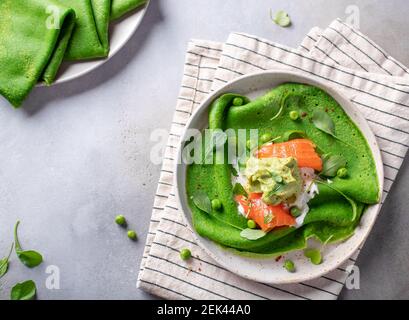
120 220
289 265
132 235
185 254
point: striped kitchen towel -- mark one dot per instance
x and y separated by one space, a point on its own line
346 59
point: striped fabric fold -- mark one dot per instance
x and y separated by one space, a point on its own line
346 59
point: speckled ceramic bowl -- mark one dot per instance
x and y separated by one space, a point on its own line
267 270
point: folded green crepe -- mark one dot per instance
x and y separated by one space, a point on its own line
32 51
334 212
121 7
29 51
90 37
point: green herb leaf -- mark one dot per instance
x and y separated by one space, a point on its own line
278 179
286 101
24 291
4 266
280 111
252 234
268 217
323 122
239 190
351 202
234 171
281 18
202 201
276 189
293 134
331 164
4 263
314 255
30 258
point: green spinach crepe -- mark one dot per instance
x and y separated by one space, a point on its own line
32 51
29 51
335 210
122 7
90 37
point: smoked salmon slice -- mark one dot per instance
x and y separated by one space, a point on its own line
256 209
303 150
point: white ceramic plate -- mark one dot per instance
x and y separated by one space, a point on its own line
120 31
267 270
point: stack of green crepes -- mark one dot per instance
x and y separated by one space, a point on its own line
37 35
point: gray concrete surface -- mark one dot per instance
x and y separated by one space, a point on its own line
77 154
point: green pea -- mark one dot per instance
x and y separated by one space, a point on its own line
217 204
266 137
251 224
342 172
314 255
294 115
120 219
132 235
289 266
237 102
185 254
295 212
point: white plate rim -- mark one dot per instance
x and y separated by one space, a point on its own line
180 192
